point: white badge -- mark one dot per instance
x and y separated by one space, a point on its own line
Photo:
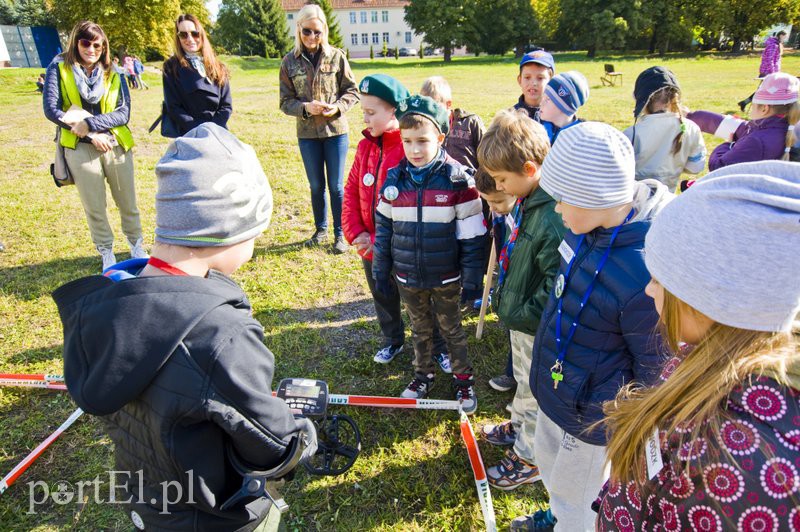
368 180
391 193
566 251
559 285
652 452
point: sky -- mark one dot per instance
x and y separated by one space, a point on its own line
213 8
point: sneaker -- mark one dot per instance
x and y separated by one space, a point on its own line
541 520
339 245
319 238
443 359
418 388
501 435
476 305
512 472
387 354
108 257
137 250
465 393
503 383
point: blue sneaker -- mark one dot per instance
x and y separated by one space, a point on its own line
478 302
541 520
387 354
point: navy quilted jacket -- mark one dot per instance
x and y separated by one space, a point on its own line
616 340
433 233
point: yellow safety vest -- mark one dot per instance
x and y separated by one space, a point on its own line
70 95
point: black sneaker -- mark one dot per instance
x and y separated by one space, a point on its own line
418 388
503 383
319 238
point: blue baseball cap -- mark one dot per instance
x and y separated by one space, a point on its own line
540 57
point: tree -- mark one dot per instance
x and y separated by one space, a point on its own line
371 52
135 25
599 24
547 14
385 50
253 27
334 32
8 16
32 13
397 52
513 24
740 20
444 23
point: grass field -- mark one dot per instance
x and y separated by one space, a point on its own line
413 473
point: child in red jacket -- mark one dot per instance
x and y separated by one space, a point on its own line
379 150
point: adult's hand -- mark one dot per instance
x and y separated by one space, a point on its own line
315 107
102 143
81 129
330 110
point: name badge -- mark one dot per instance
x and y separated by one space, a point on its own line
652 451
368 179
566 251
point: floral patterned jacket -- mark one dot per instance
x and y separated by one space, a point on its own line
743 478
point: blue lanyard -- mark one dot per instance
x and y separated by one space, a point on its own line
557 370
505 253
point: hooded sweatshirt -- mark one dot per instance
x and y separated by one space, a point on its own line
615 341
177 369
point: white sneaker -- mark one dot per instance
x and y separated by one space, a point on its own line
137 250
443 359
108 257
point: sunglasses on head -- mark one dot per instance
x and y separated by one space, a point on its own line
309 32
185 34
86 43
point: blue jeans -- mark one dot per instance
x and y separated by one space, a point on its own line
320 155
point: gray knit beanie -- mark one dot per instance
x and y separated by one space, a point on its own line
592 166
211 190
730 245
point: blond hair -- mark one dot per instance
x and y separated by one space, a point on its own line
309 12
693 397
792 113
437 88
512 139
215 69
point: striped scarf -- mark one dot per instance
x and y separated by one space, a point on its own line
508 247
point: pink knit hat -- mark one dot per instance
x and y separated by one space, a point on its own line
777 89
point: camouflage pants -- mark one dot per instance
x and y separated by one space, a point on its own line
426 307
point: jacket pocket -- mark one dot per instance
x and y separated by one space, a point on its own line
299 79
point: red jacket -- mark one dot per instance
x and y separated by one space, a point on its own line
374 156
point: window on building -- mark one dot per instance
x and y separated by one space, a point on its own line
365 38
375 38
408 37
384 16
374 16
352 17
363 17
354 39
386 37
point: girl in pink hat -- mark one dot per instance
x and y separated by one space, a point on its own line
769 132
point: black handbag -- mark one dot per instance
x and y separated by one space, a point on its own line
168 127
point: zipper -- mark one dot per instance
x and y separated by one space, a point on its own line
419 231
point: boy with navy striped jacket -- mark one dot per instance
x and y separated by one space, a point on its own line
430 234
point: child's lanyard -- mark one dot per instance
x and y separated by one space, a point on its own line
508 248
557 370
165 266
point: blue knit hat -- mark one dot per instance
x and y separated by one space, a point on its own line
592 166
568 91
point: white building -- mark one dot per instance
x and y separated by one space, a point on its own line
365 23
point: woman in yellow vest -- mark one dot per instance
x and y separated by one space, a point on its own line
85 97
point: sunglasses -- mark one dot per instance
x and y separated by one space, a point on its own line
86 43
185 34
309 32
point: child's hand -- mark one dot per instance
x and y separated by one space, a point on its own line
363 242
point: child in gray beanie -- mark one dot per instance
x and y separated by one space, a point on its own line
166 350
719 435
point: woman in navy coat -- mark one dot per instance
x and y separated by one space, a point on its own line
196 88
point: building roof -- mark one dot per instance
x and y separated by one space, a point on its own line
295 5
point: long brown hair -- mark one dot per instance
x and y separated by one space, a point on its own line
694 395
668 98
215 69
86 29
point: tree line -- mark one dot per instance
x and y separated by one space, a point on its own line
258 27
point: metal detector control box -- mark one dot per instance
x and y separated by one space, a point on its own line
307 397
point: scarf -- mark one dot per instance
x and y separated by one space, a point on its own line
90 87
418 174
197 63
508 248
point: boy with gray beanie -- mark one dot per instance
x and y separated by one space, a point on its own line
597 331
167 352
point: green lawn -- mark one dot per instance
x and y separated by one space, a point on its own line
413 473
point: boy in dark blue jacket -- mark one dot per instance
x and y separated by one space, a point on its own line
597 332
430 234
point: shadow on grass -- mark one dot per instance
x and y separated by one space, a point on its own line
33 281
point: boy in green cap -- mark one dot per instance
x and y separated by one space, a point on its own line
379 150
430 235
